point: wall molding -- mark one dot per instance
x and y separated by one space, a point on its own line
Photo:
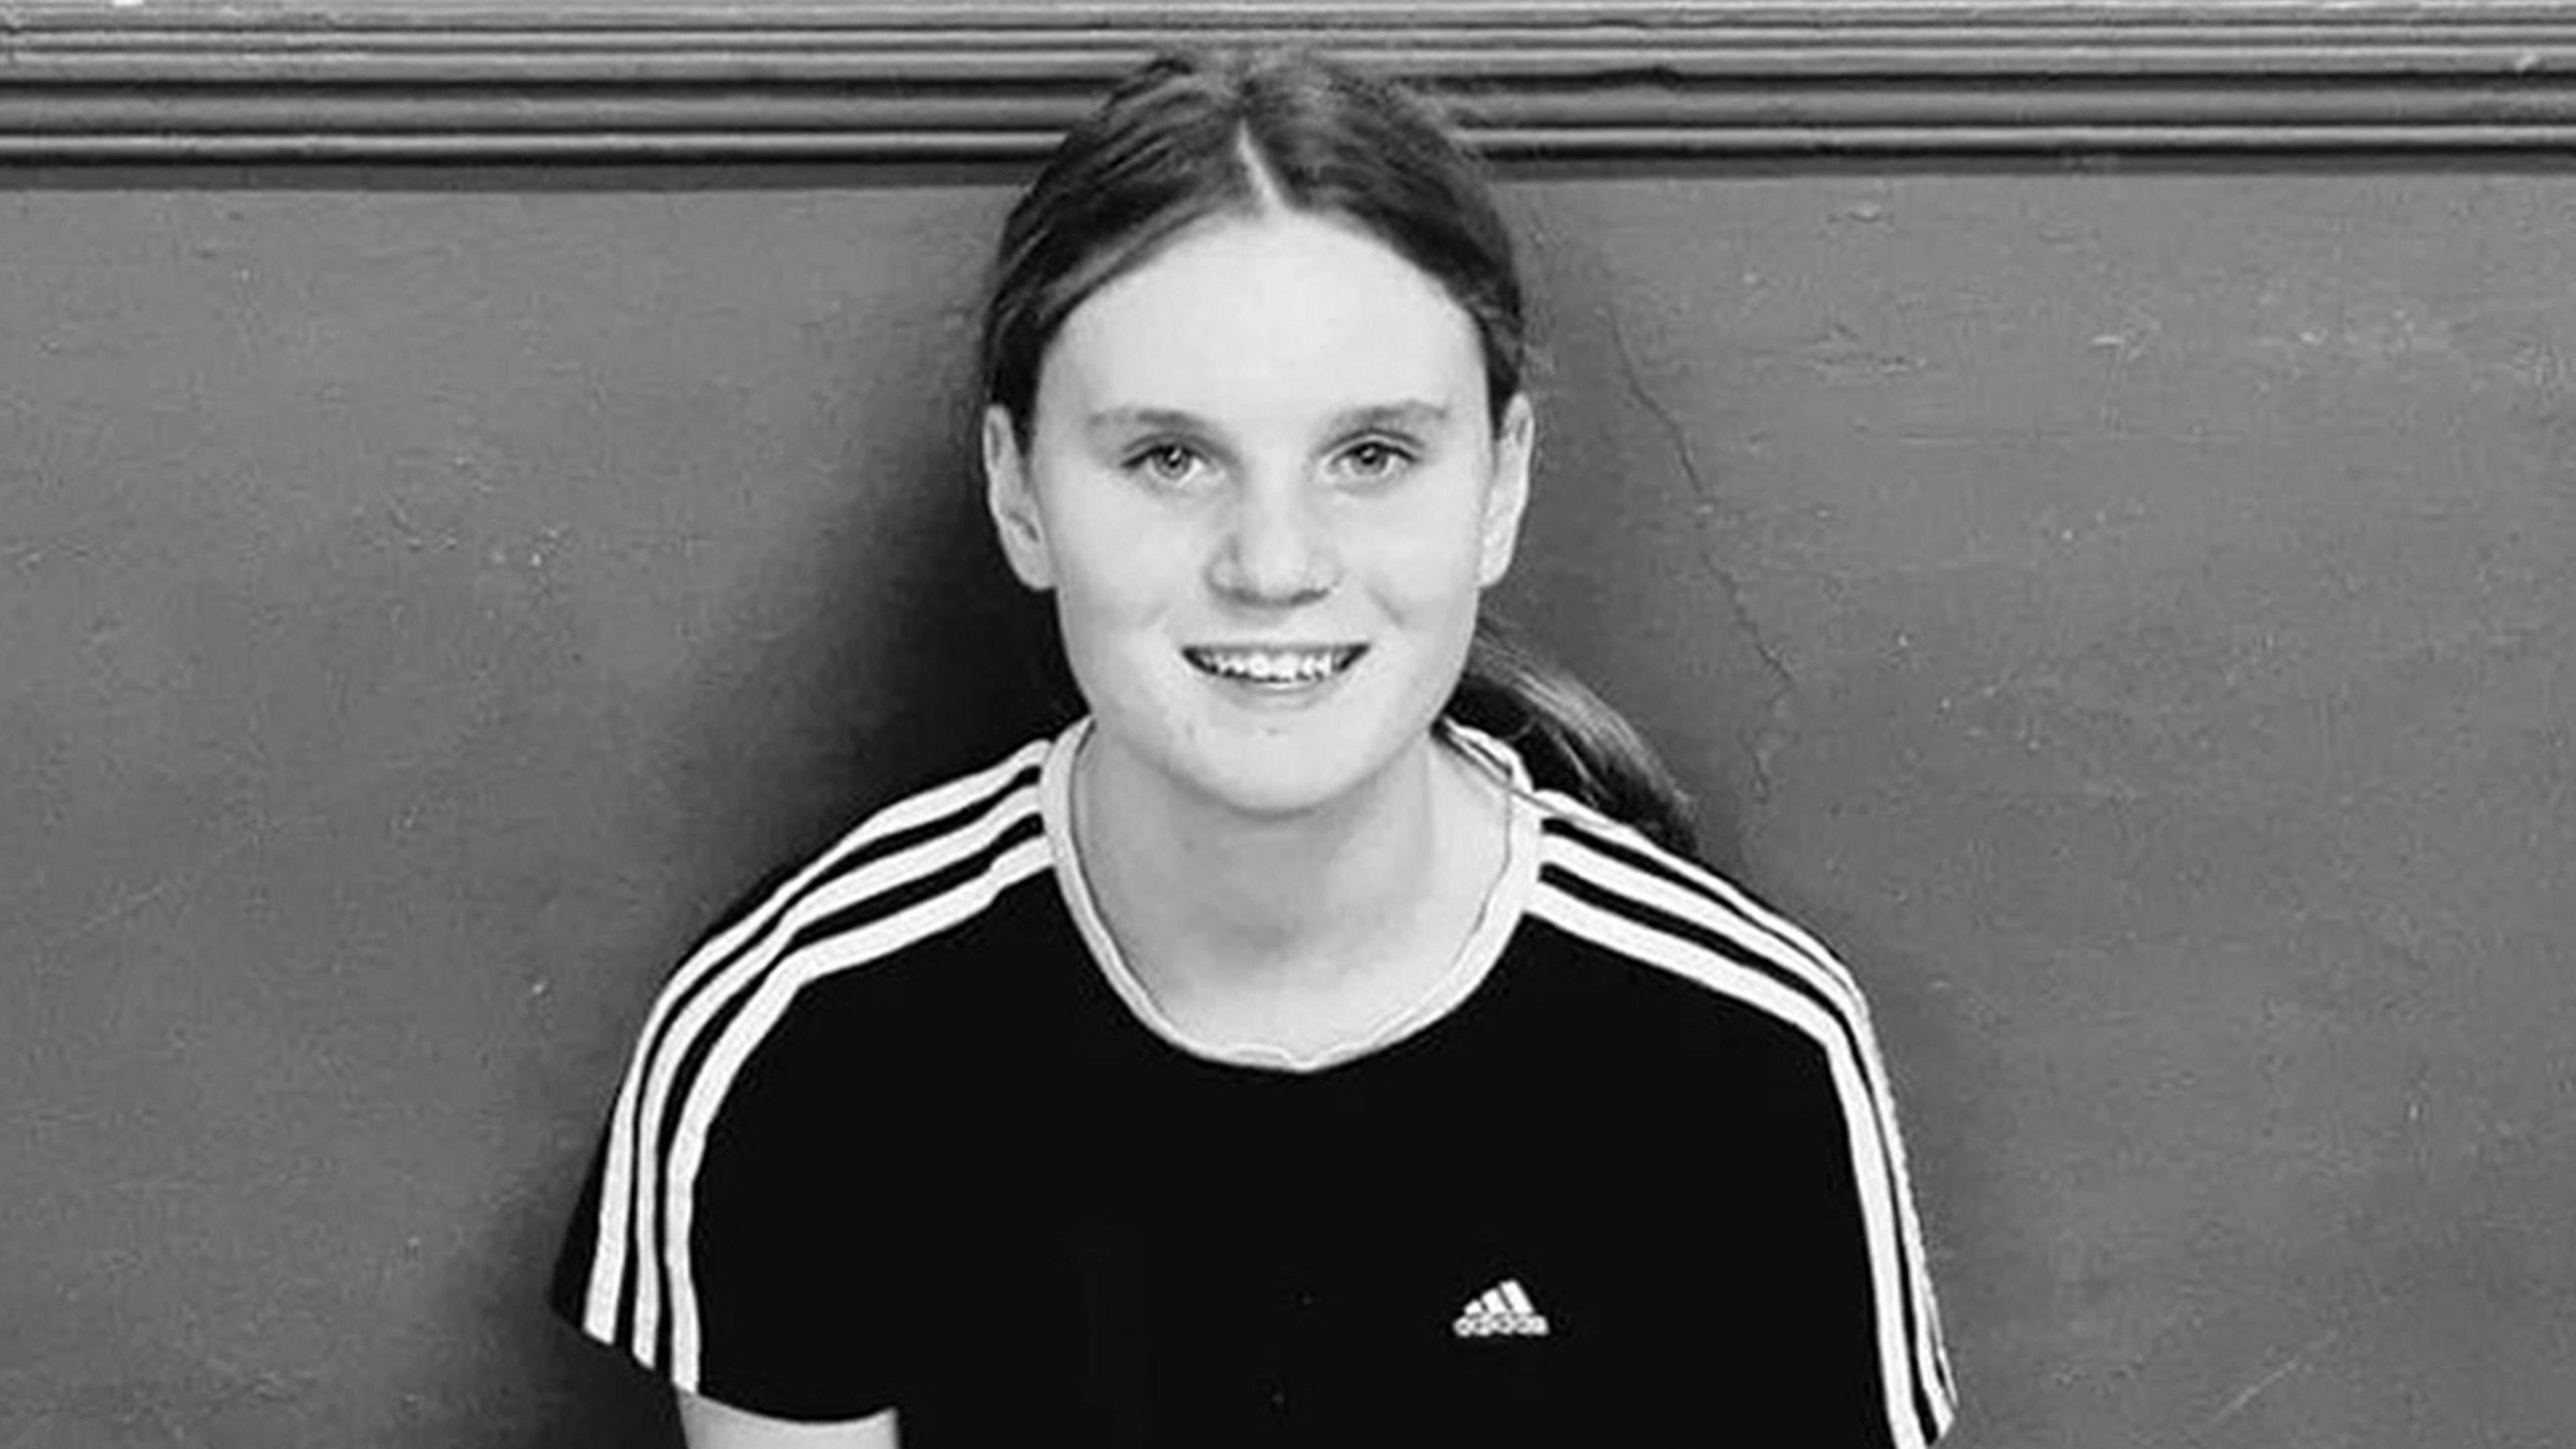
445 80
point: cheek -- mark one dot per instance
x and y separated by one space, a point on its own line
1430 564
1114 569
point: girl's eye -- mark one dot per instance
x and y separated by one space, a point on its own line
1164 463
1374 460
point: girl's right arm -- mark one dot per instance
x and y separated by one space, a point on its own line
710 1425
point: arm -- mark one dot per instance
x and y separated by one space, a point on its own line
710 1425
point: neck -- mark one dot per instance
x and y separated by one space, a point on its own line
1207 901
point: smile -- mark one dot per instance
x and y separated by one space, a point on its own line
1276 668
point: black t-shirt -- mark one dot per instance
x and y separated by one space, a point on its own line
908 1133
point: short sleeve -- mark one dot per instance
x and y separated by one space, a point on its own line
1843 1281
734 1234
770 1201
1812 1240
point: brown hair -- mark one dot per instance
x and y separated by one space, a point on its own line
1178 141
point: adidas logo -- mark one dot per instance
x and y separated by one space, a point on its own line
1501 1311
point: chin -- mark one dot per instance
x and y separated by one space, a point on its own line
1262 762
1280 794
1259 774
1297 773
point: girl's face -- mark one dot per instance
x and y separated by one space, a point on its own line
1264 488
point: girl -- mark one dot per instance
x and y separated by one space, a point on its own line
1274 1056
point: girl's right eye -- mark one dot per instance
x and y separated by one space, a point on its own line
1168 464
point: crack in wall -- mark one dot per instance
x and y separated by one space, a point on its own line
2263 1385
179 880
1710 505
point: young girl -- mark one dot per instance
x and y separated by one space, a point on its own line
1269 1057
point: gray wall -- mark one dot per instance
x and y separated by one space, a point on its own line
2130 612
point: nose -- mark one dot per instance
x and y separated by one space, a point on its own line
1275 551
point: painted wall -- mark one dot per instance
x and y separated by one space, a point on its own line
2132 612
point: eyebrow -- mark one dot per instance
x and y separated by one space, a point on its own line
1411 413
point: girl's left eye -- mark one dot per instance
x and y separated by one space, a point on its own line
1374 458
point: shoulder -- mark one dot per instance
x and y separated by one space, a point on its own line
1625 901
1607 885
818 973
926 828
734 1044
907 875
1639 908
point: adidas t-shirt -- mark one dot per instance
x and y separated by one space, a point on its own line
907 1132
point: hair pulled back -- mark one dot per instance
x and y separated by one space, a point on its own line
1193 135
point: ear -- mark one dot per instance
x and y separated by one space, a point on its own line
1013 504
1507 494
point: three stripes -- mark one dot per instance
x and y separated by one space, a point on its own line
1603 881
729 992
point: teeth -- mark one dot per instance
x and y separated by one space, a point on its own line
1271 666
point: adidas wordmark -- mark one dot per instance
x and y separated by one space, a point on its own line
1501 1311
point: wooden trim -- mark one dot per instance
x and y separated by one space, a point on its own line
440 80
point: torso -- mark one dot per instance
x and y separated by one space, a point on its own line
937 1148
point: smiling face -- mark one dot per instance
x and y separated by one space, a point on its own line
1264 487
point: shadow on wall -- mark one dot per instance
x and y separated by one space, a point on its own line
894 650
532 1383
882 646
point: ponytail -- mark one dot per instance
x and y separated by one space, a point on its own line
1569 737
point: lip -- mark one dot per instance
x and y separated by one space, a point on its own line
1340 660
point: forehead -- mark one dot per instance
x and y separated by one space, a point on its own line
1276 317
